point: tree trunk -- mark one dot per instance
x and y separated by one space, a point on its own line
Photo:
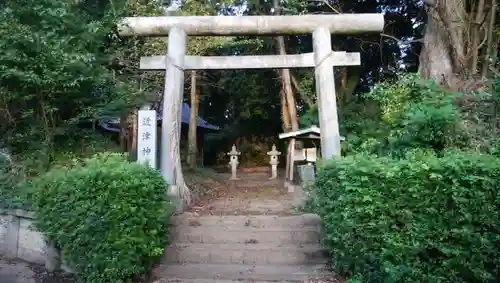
443 56
346 83
193 123
123 132
132 146
490 49
450 51
285 115
477 35
286 81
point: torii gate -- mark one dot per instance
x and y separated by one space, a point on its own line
322 59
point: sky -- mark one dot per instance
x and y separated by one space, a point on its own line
238 10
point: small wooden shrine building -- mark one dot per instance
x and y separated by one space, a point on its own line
302 147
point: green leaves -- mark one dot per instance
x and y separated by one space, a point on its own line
57 66
106 215
10 192
422 218
413 114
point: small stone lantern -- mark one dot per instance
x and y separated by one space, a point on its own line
233 161
273 156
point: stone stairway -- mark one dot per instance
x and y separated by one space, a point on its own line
263 248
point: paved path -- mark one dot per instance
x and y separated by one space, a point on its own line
16 272
21 272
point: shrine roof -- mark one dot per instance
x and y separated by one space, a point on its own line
112 124
186 110
313 132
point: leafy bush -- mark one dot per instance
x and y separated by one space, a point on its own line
413 114
495 148
422 218
12 192
107 216
8 180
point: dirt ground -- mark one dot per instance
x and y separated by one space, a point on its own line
252 194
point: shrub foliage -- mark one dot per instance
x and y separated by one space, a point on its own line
422 218
106 215
8 180
414 114
13 193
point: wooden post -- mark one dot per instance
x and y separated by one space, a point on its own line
192 158
172 101
287 165
292 160
325 89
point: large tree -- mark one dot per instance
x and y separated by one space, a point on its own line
459 42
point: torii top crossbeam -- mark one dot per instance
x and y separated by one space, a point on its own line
251 25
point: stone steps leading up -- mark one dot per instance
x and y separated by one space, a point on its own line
246 235
240 221
238 248
244 254
237 272
219 281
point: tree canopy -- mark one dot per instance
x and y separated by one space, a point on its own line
63 65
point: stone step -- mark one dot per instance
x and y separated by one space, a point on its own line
249 273
242 221
244 254
220 281
246 235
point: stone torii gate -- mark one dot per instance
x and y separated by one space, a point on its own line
176 61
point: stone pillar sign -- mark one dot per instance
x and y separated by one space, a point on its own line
146 138
273 155
233 161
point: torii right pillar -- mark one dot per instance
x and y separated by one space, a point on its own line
325 90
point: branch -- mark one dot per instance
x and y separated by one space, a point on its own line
475 49
495 71
402 41
484 40
331 7
327 4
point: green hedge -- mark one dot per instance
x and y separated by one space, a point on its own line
108 217
423 218
8 181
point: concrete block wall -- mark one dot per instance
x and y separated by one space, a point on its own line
19 240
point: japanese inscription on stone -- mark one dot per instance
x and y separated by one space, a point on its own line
146 137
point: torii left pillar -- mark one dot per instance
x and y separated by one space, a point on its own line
325 89
172 101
